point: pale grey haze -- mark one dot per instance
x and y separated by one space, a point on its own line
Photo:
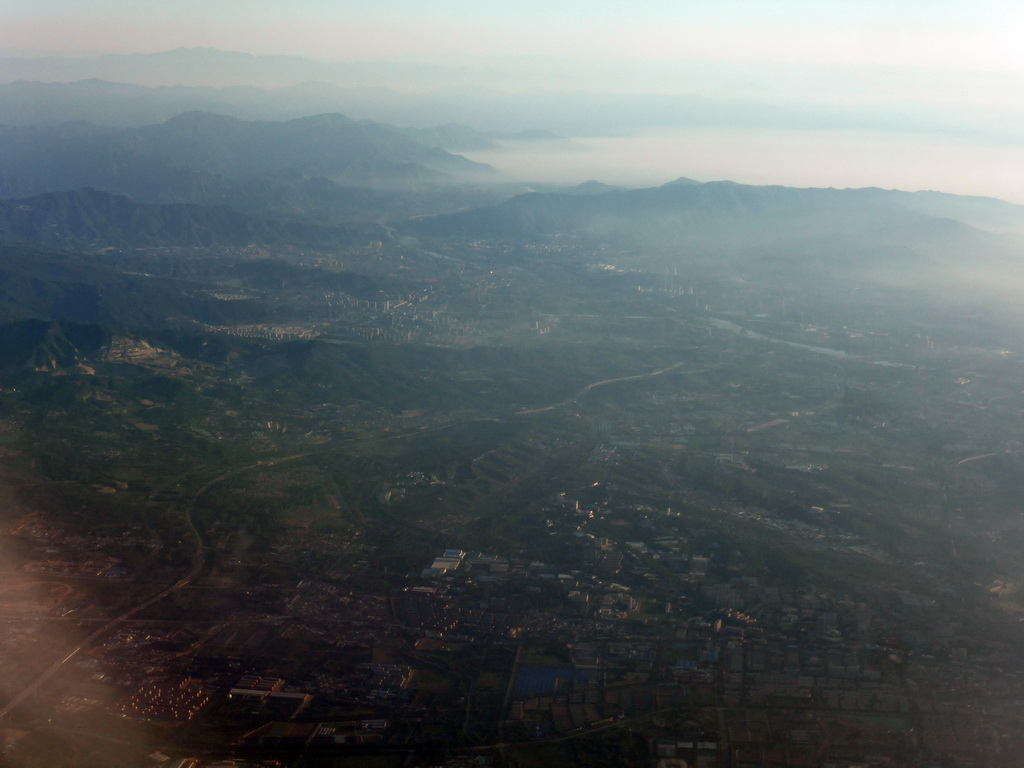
911 95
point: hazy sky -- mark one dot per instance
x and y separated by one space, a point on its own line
926 93
984 34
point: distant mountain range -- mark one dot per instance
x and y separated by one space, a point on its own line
211 66
201 157
504 96
736 213
124 105
207 179
781 235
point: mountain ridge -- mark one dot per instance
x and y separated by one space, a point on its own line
701 205
89 218
202 157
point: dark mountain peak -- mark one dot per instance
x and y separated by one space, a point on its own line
46 345
683 181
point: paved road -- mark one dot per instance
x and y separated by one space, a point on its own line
604 383
51 670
